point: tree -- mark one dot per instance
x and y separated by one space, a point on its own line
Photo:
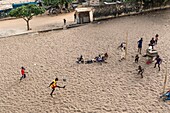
27 12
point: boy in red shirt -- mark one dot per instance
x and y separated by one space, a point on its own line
23 73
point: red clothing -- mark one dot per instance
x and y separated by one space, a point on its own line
22 71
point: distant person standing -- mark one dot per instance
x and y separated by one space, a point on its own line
122 54
156 38
140 45
152 42
64 21
23 73
75 17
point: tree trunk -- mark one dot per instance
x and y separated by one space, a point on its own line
61 7
28 27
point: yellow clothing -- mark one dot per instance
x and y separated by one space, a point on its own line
54 84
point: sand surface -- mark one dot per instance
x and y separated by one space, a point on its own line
112 87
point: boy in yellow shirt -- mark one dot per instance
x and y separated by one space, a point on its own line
53 85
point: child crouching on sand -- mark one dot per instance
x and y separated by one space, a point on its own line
166 96
80 59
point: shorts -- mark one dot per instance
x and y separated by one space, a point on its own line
24 76
53 87
139 46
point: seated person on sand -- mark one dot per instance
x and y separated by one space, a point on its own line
166 96
80 60
90 61
122 45
104 56
100 59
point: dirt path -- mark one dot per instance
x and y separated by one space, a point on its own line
40 22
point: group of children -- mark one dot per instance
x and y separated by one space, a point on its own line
152 43
53 84
100 58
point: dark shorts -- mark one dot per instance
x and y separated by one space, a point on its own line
24 75
139 46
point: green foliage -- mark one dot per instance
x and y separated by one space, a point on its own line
27 12
51 2
56 2
148 1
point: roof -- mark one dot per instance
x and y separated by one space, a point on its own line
112 3
83 9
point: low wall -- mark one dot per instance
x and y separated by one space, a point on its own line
116 10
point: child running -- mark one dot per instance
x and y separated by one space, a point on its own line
140 71
23 73
158 61
53 85
136 58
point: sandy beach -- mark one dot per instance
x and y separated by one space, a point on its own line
113 87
